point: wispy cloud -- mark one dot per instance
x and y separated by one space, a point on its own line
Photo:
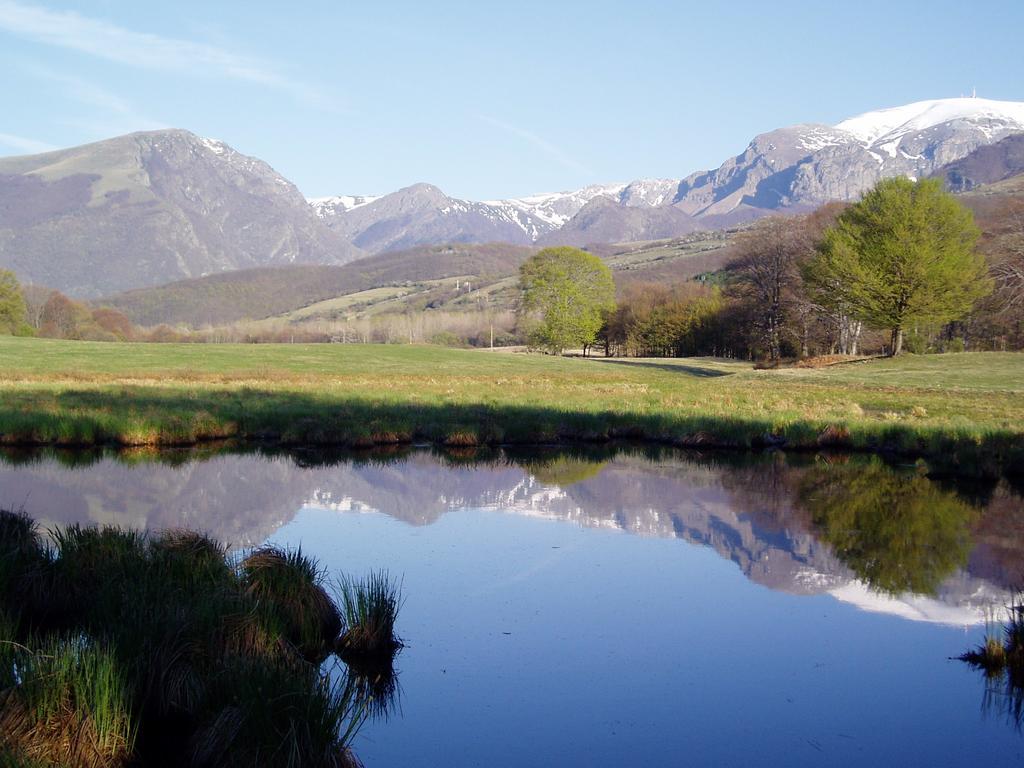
118 114
23 145
95 37
555 153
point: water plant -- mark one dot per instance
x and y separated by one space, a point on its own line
369 608
373 687
1000 657
288 586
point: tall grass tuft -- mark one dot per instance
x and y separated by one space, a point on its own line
191 559
71 706
288 585
370 609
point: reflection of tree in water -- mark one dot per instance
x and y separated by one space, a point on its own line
897 531
998 553
564 470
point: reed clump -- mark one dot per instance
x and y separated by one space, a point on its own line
120 648
1000 657
369 609
287 586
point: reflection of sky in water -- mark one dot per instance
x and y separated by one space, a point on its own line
534 642
973 610
554 617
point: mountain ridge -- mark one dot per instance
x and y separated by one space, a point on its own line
790 170
154 207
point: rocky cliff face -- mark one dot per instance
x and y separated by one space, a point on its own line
988 164
148 208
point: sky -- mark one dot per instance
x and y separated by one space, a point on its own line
485 100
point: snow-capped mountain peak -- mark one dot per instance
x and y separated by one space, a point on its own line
877 127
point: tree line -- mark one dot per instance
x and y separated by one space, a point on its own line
905 268
33 311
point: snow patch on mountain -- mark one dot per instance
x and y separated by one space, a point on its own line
816 137
214 145
330 206
552 210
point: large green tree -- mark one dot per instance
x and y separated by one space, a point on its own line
12 304
904 255
566 294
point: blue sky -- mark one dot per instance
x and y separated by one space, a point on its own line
485 100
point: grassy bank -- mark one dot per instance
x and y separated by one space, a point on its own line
964 412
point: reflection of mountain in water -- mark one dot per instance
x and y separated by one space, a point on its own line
784 523
237 499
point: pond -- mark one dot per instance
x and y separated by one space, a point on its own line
625 606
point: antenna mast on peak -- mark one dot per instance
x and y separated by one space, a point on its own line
974 91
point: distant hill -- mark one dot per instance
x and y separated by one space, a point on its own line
148 208
424 277
255 294
604 220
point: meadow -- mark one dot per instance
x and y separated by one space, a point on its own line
962 412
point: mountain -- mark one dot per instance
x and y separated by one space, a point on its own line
152 207
161 206
804 166
788 170
399 282
986 165
424 215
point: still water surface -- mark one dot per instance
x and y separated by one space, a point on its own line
624 608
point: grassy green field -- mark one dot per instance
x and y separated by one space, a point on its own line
964 412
